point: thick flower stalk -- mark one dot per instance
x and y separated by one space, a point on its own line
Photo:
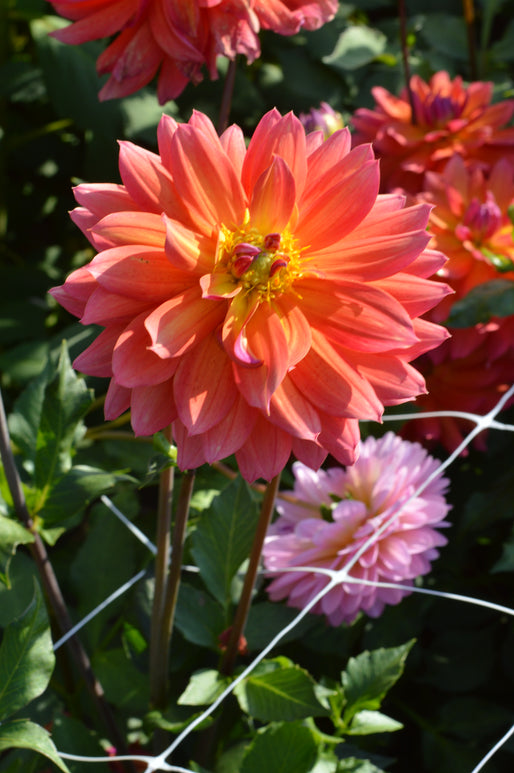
177 38
336 514
263 300
448 118
472 224
469 372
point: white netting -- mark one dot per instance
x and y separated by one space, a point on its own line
159 762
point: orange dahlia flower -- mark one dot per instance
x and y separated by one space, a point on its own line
262 300
470 223
448 118
469 372
177 37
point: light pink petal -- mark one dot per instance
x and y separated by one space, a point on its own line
233 143
103 198
148 182
165 131
131 228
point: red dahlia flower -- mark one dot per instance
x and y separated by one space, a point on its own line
448 118
469 372
177 37
262 299
470 223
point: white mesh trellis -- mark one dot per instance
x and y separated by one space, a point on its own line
159 762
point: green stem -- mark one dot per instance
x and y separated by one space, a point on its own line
238 626
161 575
469 17
53 591
163 636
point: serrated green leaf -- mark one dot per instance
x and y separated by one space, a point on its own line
490 299
369 722
23 734
26 658
285 693
281 749
203 627
203 688
370 675
357 45
224 538
12 534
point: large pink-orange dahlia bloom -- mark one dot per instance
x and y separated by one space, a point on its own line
337 512
176 38
448 118
471 224
262 299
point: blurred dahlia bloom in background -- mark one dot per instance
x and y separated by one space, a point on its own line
323 118
176 38
471 223
336 513
468 372
448 118
262 299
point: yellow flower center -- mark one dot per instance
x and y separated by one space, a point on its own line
264 263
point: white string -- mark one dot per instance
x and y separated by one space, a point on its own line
335 578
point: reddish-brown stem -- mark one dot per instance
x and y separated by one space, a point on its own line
238 626
53 591
469 18
402 15
226 99
161 575
159 697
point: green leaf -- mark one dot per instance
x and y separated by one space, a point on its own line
281 749
203 688
125 685
490 299
15 600
446 34
277 690
22 734
368 722
12 534
224 538
370 675
355 765
26 658
506 561
357 46
203 627
72 493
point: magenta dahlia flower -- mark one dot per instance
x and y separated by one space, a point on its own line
260 299
176 38
337 511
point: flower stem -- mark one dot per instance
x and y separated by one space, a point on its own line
405 56
469 17
226 99
161 573
169 601
268 504
53 591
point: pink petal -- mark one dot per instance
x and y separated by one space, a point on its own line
148 182
133 363
182 322
273 198
186 249
265 453
104 308
152 408
204 387
292 412
231 433
117 400
233 143
96 360
131 228
74 294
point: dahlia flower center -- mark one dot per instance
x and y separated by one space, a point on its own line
264 263
440 109
481 220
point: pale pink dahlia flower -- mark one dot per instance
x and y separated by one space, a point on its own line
336 513
261 299
176 38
